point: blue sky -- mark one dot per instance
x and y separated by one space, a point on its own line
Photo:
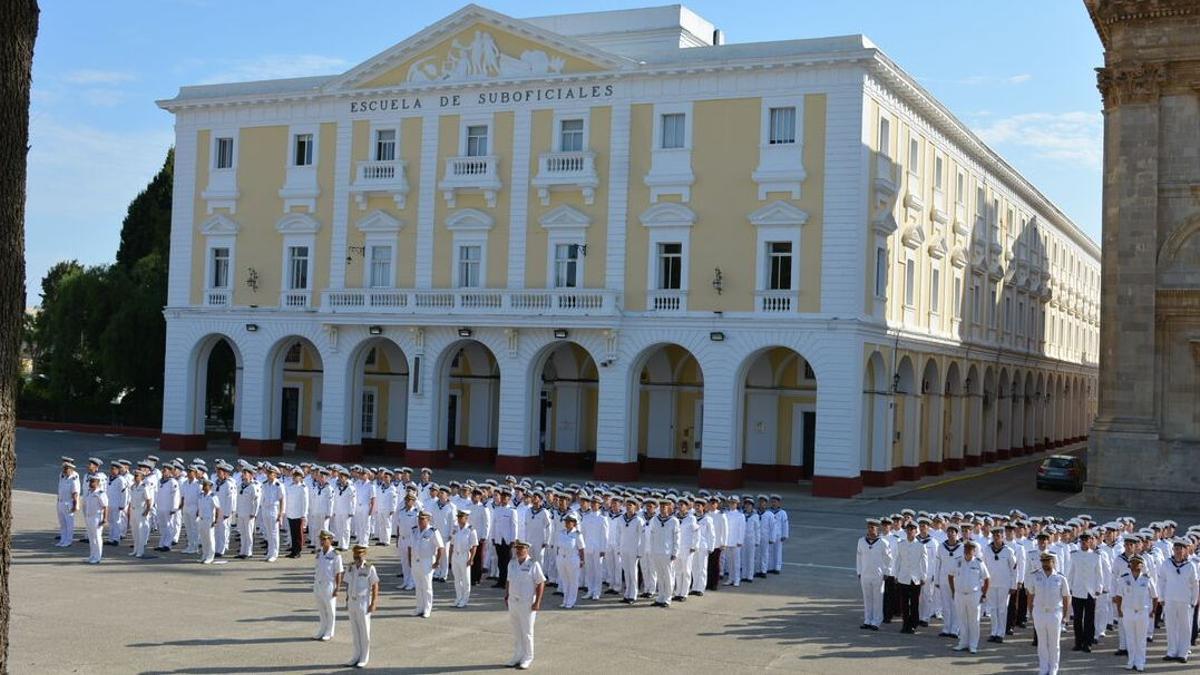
1018 72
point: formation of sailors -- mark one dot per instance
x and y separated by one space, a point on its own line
1094 577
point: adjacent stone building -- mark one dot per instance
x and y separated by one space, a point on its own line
1145 445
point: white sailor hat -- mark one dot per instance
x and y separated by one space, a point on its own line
95 460
197 460
206 481
424 514
872 521
462 512
67 460
970 543
571 517
146 465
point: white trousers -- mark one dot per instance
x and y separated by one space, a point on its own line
733 564
271 532
1048 626
95 541
360 630
765 555
649 575
323 593
612 569
66 524
316 523
141 535
872 592
443 569
629 570
749 560
221 536
362 527
167 524
118 523
1136 624
522 618
383 527
462 580
593 573
246 534
683 573
950 622
1178 618
403 549
568 578
423 574
777 557
664 572
341 530
191 527
206 534
997 603
700 570
966 608
927 605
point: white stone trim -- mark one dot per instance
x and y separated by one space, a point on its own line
301 186
618 192
780 166
342 175
470 220
671 168
179 276
519 197
426 205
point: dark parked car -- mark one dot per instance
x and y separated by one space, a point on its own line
1062 471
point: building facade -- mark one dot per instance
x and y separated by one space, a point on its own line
1146 448
612 240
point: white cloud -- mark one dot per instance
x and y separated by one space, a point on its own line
1071 137
1019 79
982 80
94 76
272 67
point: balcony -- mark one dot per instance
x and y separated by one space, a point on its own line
887 174
388 177
776 302
218 297
666 301
300 188
471 174
295 299
528 302
566 170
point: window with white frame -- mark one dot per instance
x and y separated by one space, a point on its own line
302 150
881 272
1020 317
477 140
298 261
368 413
470 260
782 125
385 145
976 304
993 301
566 265
935 291
570 135
1008 322
914 155
223 154
673 126
219 266
960 188
910 282
957 298
779 265
937 172
380 257
670 265
885 136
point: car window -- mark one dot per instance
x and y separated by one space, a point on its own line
1059 462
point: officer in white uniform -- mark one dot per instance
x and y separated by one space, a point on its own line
427 550
68 503
406 523
327 579
386 500
1003 564
1085 575
345 502
503 533
167 500
570 554
248 500
523 598
1178 586
969 582
734 543
443 512
464 546
189 497
226 495
783 530
704 549
631 532
362 594
296 510
320 505
1135 596
948 555
272 509
1050 602
118 503
95 515
364 506
141 507
208 514
663 547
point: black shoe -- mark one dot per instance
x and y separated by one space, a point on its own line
646 595
1008 632
923 624
945 634
907 630
747 581
772 571
865 626
242 557
999 640
558 592
495 585
1086 649
695 593
760 575
611 592
874 627
1121 652
1076 648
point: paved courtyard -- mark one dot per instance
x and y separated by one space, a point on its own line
171 615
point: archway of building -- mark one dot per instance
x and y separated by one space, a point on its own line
1041 405
953 419
293 389
988 444
1003 414
973 402
468 391
562 424
1030 415
1016 439
876 460
931 443
216 381
669 408
1053 400
378 385
905 454
779 418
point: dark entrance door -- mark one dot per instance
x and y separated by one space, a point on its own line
452 422
810 438
289 421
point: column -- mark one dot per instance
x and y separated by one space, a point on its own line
616 449
837 472
341 393
1004 425
183 393
954 454
397 417
260 396
426 398
515 451
720 463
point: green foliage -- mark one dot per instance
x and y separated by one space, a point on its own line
147 225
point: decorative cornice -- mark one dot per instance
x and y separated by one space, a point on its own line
1105 13
1128 84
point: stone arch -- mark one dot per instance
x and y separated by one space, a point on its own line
875 458
905 454
199 378
667 386
929 448
779 413
563 379
953 418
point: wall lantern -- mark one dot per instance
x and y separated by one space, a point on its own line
464 332
375 330
252 327
560 333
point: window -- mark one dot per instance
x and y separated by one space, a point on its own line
779 267
957 299
783 126
914 155
1008 314
477 140
992 309
937 172
298 268
566 265
976 301
670 266
293 354
385 145
881 272
980 203
1021 317
224 154
960 189
672 130
571 136
381 266
885 136
220 267
469 258
371 357
910 282
935 290
368 413
303 155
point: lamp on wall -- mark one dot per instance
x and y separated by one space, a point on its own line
252 279
718 282
560 333
375 330
252 327
464 332
717 336
360 251
895 382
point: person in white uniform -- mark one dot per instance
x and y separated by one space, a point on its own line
783 530
320 506
663 548
118 503
95 516
1003 564
362 596
871 563
345 502
67 504
167 501
1178 587
1050 600
327 579
735 540
570 554
248 500
189 498
406 523
207 515
631 534
427 549
523 599
141 505
225 493
464 546
296 510
969 584
273 507
1134 596
386 501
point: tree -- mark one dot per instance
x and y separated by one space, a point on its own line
147 225
18 31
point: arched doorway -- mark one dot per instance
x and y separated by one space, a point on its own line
877 399
779 420
378 385
564 417
954 422
930 444
214 405
905 454
989 415
469 401
669 409
292 394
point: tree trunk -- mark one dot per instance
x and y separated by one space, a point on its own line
18 30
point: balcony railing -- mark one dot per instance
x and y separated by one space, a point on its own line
295 299
775 302
566 170
886 178
667 300
579 302
380 177
471 173
218 297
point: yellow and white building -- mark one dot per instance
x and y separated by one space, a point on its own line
609 239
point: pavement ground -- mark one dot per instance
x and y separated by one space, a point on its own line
170 614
